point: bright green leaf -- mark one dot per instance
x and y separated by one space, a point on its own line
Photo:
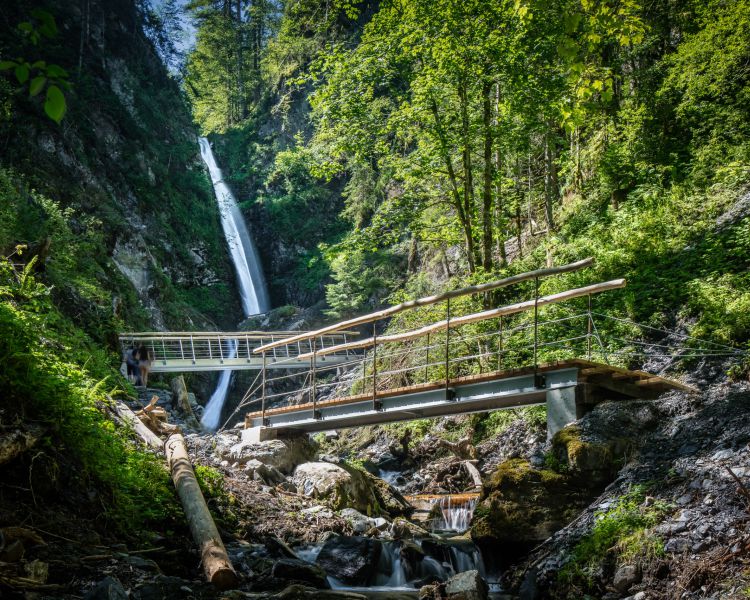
55 106
37 84
56 72
22 73
7 64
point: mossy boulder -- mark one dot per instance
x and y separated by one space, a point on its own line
523 504
592 461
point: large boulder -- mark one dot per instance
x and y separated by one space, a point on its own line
284 455
523 506
336 486
353 560
299 571
468 585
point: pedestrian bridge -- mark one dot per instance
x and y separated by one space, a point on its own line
178 352
440 355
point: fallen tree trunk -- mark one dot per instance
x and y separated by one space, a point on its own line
182 399
216 564
128 416
473 472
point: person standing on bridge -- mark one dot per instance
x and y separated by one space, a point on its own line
145 357
131 360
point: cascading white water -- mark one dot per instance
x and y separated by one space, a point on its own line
241 247
455 514
250 278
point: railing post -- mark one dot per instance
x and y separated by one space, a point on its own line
164 352
538 380
263 392
182 352
313 381
448 394
427 360
221 350
588 331
375 403
192 348
500 345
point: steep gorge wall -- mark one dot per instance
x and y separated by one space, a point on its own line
125 171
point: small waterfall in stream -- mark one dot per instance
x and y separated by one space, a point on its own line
250 278
455 513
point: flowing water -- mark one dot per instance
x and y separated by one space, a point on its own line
252 284
455 514
400 571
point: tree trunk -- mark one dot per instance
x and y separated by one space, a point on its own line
214 558
241 104
464 219
468 195
488 176
128 417
548 191
499 208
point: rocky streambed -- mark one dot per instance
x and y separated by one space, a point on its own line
638 499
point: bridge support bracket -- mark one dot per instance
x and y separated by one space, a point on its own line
259 434
562 408
377 405
450 395
317 415
540 381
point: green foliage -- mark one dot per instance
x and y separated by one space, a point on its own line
210 480
55 375
620 533
38 74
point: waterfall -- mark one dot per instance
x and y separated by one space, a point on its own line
455 514
250 278
241 247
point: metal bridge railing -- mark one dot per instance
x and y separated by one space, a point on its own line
227 348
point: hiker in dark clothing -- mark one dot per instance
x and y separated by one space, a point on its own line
131 359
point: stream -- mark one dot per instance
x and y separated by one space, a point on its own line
404 566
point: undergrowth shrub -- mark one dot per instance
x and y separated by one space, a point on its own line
54 375
621 535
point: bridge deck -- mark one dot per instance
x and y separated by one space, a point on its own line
176 352
473 393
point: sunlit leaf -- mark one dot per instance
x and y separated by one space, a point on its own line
55 105
37 84
22 73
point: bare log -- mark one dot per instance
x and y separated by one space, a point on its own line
17 442
180 395
463 448
128 416
475 289
473 472
216 564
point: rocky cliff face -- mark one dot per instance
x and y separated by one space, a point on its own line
124 165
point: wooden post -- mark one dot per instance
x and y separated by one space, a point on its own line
447 344
500 345
313 382
427 361
214 558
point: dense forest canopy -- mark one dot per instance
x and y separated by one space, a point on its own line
402 136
